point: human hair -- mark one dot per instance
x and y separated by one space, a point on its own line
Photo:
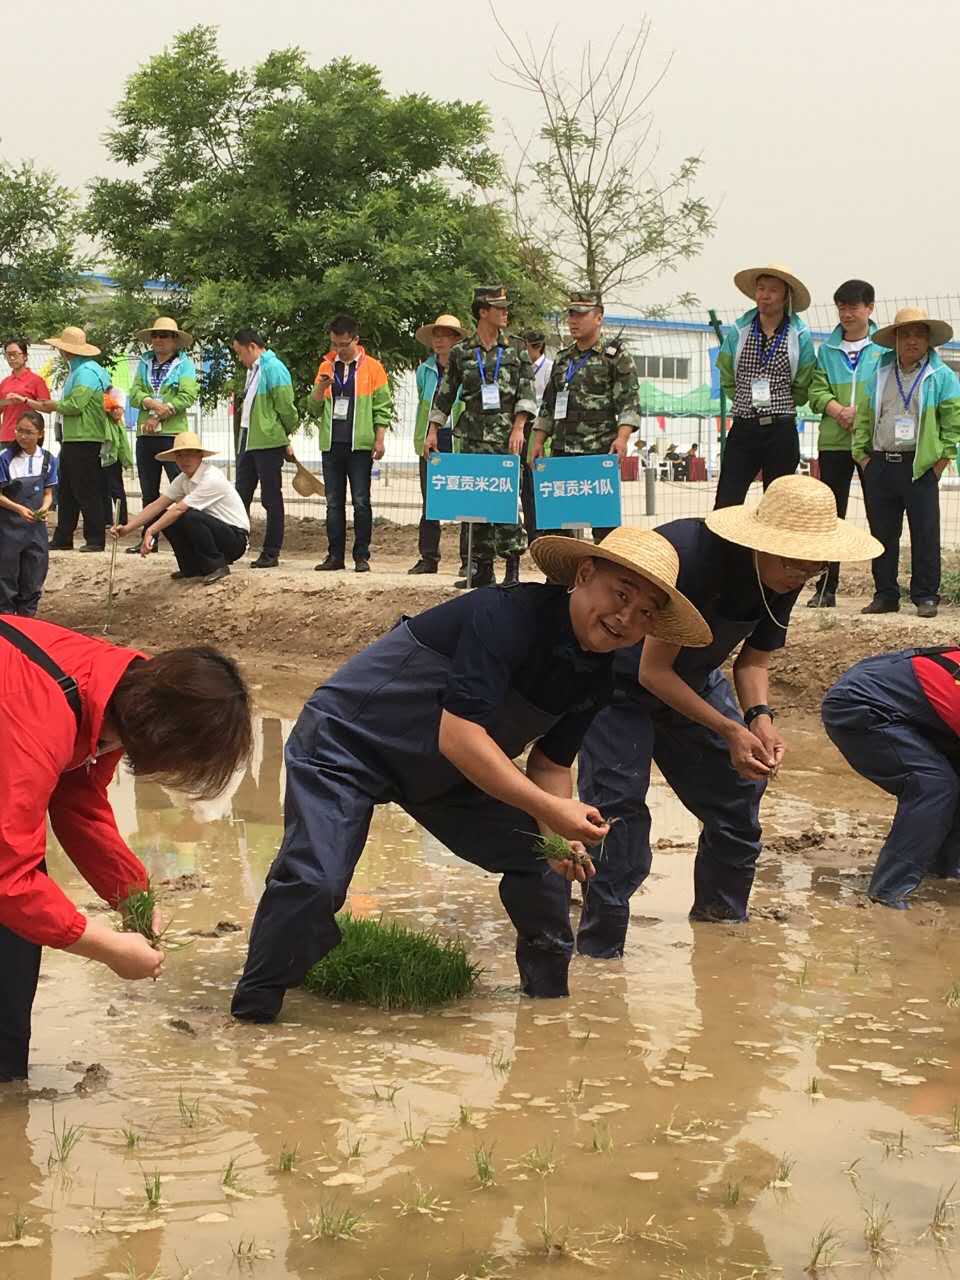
853 292
18 342
36 419
344 323
249 338
184 719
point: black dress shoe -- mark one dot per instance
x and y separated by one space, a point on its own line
328 565
222 572
926 608
826 600
59 546
133 551
261 562
362 566
425 566
879 604
89 547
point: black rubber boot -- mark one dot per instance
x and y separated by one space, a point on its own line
512 575
482 576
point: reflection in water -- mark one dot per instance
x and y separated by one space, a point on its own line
693 1060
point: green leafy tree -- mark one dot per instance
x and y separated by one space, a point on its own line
278 195
586 191
39 263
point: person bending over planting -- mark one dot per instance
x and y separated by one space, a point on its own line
431 717
70 707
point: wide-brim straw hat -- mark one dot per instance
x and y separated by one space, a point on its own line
642 552
940 331
746 282
185 442
164 324
425 332
73 341
307 483
796 518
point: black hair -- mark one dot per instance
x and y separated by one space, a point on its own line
17 342
29 415
344 322
249 338
855 291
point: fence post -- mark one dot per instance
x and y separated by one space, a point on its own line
718 330
650 490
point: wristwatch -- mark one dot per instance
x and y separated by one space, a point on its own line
761 709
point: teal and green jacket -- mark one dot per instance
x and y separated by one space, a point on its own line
799 352
938 412
81 401
372 404
834 378
179 389
428 380
273 416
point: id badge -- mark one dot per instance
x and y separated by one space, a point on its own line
904 430
560 407
341 408
760 392
490 395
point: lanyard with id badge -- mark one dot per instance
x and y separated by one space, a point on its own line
760 394
563 395
489 391
905 424
343 392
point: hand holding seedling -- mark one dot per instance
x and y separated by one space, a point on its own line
129 955
576 821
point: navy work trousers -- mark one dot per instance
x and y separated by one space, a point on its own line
83 488
890 492
879 718
149 470
264 467
836 471
19 974
203 544
751 448
340 464
615 761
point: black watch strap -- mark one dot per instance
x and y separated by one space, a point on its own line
761 709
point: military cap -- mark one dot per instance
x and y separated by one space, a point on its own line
583 300
535 337
490 295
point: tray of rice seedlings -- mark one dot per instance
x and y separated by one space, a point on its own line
388 966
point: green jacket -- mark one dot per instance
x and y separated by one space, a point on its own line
81 401
799 352
179 388
938 412
372 401
834 378
603 396
428 380
477 425
273 415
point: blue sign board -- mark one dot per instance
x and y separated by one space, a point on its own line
479 487
577 493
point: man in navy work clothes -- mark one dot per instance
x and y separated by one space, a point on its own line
432 717
743 568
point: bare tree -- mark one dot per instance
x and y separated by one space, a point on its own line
584 190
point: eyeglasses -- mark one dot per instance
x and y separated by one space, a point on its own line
802 568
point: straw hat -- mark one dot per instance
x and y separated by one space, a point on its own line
940 331
643 552
425 332
307 483
796 518
164 324
73 341
746 282
186 441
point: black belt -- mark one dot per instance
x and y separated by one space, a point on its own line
45 663
769 419
892 457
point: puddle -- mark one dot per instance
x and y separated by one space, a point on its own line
659 1100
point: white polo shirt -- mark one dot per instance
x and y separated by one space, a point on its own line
208 489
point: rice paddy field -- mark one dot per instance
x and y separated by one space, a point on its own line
779 1099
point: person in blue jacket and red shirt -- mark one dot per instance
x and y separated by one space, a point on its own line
896 719
70 708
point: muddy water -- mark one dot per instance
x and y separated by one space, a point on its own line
657 1101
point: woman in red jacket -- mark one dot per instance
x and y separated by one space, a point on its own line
70 708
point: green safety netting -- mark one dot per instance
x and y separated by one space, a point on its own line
691 404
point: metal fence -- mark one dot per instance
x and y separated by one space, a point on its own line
676 365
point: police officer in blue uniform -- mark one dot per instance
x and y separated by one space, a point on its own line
743 568
431 717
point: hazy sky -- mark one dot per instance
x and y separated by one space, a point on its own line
825 126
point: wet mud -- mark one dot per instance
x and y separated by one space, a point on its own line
702 1108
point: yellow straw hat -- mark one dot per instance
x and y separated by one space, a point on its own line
940 331
307 483
186 441
642 552
164 324
746 282
796 518
425 332
73 341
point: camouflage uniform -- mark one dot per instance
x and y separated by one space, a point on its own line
604 396
487 431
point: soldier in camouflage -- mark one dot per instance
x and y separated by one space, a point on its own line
591 403
486 359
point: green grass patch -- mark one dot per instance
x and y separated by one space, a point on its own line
391 967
